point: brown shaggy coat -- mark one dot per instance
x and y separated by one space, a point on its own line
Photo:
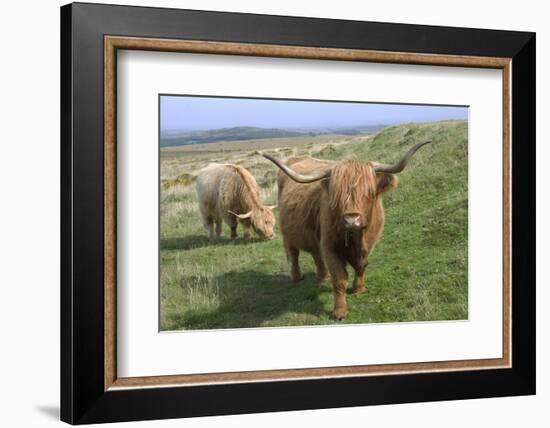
229 193
312 219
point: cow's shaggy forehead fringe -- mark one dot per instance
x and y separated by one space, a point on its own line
351 182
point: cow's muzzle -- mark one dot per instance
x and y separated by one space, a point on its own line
352 221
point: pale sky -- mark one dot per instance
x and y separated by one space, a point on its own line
202 113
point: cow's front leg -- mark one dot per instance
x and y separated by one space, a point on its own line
246 229
359 280
232 223
339 277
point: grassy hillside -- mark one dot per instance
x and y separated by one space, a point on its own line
418 272
174 138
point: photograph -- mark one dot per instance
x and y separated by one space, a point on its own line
269 210
287 213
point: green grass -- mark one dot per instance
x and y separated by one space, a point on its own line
418 271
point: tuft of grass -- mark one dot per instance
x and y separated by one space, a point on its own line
181 180
418 272
327 152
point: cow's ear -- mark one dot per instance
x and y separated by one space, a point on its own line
385 183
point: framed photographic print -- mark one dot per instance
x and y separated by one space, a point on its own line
265 213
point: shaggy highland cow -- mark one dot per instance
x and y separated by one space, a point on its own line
230 193
333 210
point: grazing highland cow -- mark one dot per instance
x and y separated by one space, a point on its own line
230 193
333 210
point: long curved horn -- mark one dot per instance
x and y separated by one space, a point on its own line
399 166
300 178
241 216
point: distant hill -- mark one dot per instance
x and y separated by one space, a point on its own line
242 133
238 133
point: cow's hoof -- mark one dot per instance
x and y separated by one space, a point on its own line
339 314
360 290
